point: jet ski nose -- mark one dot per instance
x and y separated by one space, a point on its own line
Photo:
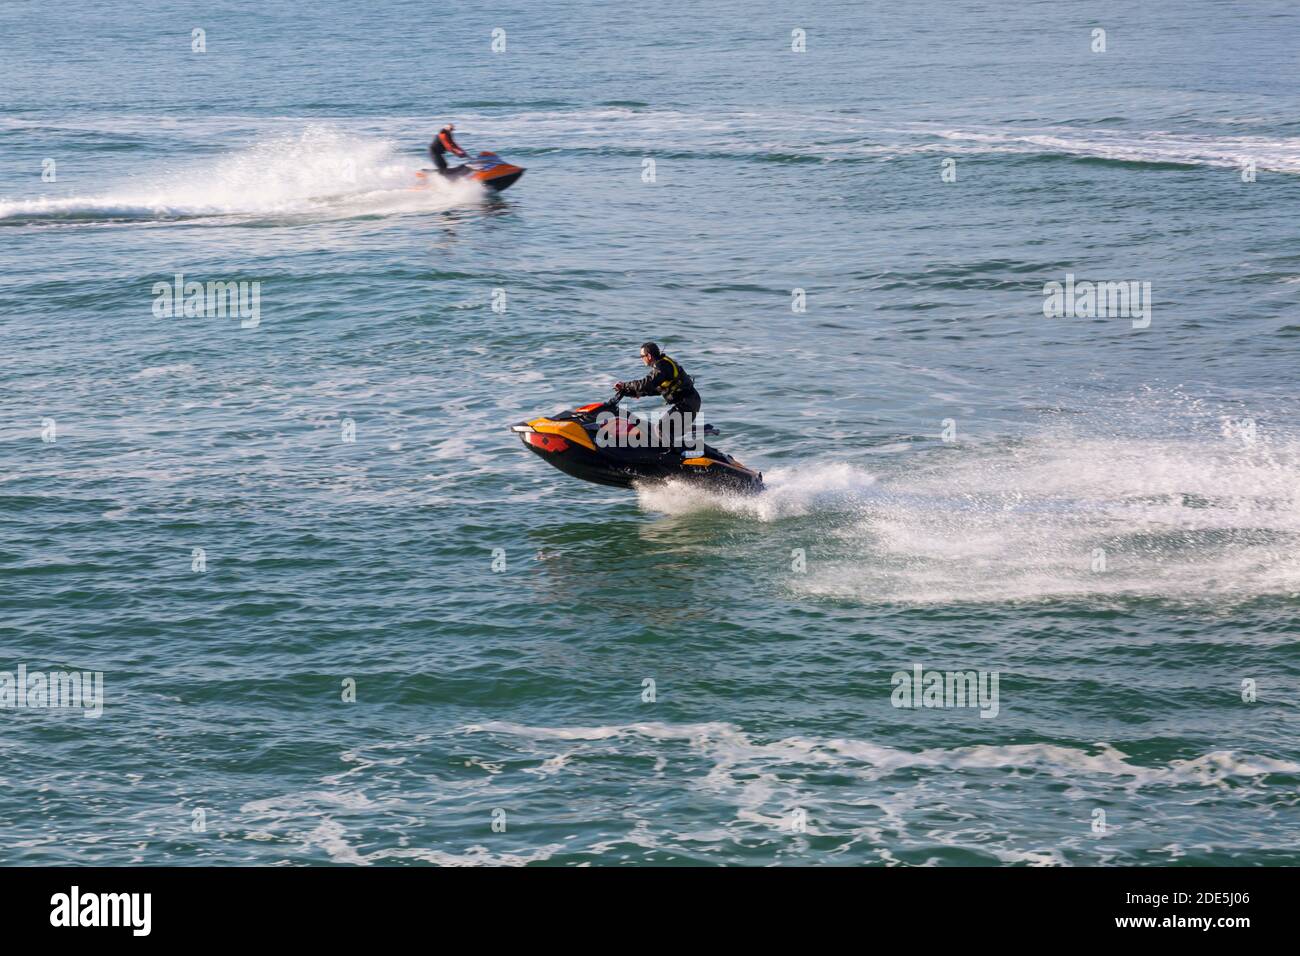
542 442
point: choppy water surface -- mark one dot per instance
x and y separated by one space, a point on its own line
1112 530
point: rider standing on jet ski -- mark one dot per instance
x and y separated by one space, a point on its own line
670 380
443 142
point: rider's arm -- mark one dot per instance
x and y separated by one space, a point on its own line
648 385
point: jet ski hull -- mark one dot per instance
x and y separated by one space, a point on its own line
486 168
568 442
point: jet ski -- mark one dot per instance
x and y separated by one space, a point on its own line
486 168
594 443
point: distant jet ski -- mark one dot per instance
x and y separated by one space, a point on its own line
486 168
573 442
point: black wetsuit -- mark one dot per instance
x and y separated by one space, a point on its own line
670 380
441 143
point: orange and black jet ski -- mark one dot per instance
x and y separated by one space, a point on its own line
486 168
596 443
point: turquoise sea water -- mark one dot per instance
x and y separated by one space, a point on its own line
1113 530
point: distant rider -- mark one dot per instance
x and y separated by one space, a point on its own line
443 142
670 380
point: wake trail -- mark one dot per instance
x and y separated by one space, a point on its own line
317 173
1078 512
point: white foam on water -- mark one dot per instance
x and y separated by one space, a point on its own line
1063 515
318 172
833 137
157 371
1279 154
730 748
788 492
885 800
1197 512
310 820
887 792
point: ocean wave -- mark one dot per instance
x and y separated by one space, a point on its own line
635 129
